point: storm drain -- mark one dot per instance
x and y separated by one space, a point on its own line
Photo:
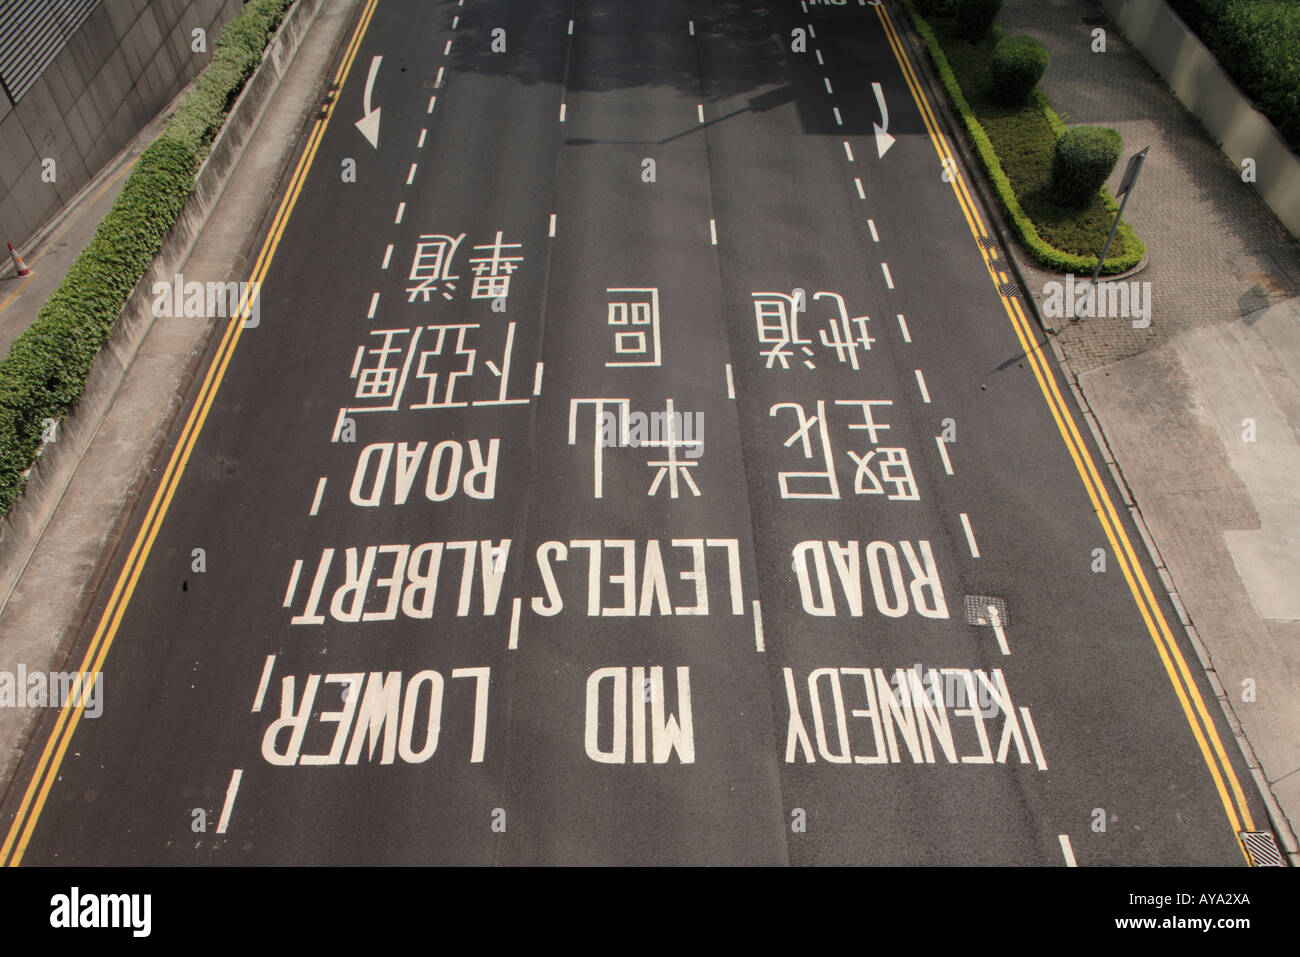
1262 848
1009 289
977 610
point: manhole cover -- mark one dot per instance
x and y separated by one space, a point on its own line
1262 848
977 610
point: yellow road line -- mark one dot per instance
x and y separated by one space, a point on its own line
1194 708
47 768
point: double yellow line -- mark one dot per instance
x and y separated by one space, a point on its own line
1180 676
47 768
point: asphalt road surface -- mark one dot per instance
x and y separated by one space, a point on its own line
633 460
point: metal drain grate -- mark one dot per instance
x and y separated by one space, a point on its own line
988 242
1262 848
1009 289
977 609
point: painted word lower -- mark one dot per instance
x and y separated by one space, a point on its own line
378 712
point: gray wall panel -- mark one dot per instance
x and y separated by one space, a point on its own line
125 63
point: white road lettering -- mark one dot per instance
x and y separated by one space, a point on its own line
397 719
884 570
666 733
935 715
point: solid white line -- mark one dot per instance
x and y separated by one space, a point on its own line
388 254
925 393
713 231
871 225
848 151
731 385
902 324
970 536
838 120
401 211
692 24
537 380
432 100
858 183
410 177
264 683
943 454
570 28
758 626
1065 849
293 583
231 791
827 81
1033 738
820 61
999 632
320 490
552 227
438 79
423 134
699 110
563 110
889 280
374 304
514 625
447 48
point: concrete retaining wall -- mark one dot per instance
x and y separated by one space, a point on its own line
1198 81
22 527
124 65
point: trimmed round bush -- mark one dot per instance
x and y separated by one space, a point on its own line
1083 158
1018 64
975 18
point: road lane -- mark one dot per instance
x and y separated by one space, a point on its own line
506 266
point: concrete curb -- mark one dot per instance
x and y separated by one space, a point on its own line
57 461
993 213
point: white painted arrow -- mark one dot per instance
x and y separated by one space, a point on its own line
369 124
883 140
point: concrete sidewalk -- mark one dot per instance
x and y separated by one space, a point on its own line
42 615
1201 411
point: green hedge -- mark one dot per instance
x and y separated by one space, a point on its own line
1029 136
1258 43
1018 64
1082 161
44 374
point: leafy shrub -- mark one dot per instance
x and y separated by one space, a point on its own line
1018 64
1083 158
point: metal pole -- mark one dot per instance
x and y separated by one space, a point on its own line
1113 226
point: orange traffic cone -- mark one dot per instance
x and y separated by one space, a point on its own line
21 266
